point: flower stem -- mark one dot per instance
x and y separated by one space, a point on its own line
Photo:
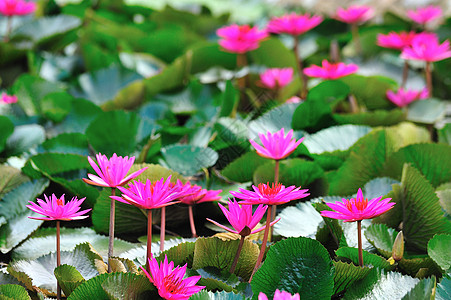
276 181
238 251
359 235
111 229
9 26
241 62
58 257
191 221
265 240
356 38
162 227
300 67
405 74
149 239
428 77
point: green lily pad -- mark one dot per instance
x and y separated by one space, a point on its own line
207 295
382 238
242 169
188 160
56 106
13 291
24 138
443 291
372 118
346 274
426 111
299 220
7 129
69 278
438 250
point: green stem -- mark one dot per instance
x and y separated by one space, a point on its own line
111 229
191 221
9 27
162 227
265 240
237 255
149 239
356 38
300 66
58 257
359 235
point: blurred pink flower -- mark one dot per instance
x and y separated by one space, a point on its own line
358 209
276 145
57 209
331 70
294 99
16 7
241 218
405 97
8 99
278 295
112 173
293 24
425 15
169 281
354 14
395 40
271 195
149 195
426 47
194 194
276 78
240 38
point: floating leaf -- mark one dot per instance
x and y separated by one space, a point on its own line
422 290
13 291
299 220
368 258
426 111
24 138
206 295
56 106
444 134
438 250
333 91
10 178
381 237
372 118
124 286
188 160
73 143
7 129
273 120
346 274
443 291
213 279
242 169
69 278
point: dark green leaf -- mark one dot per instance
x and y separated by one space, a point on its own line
382 238
368 258
13 291
69 278
438 250
73 143
10 178
125 286
422 290
372 118
346 274
7 129
444 134
56 106
188 160
242 169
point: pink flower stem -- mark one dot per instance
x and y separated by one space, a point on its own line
241 62
428 77
356 38
149 239
238 251
191 221
405 74
276 181
300 67
265 240
9 26
111 229
58 257
162 227
359 236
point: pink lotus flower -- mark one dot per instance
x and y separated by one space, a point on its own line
405 97
293 24
395 40
193 194
358 209
240 38
276 145
354 14
57 209
8 99
276 78
331 70
112 173
426 47
271 195
425 15
280 296
294 99
149 195
169 280
16 7
241 218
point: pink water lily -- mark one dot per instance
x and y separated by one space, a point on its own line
112 172
404 97
354 14
54 208
276 78
426 47
274 194
424 15
169 281
240 38
331 70
8 99
395 40
278 295
276 145
194 194
293 23
16 7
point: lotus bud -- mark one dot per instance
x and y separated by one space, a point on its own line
398 247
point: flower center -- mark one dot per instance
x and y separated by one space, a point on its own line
269 190
172 284
360 203
59 202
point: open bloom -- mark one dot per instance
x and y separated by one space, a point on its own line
8 99
354 14
242 219
276 78
358 209
405 97
271 195
169 280
149 195
276 145
293 24
57 209
426 47
240 38
193 194
395 40
112 172
424 15
331 70
16 7
280 296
